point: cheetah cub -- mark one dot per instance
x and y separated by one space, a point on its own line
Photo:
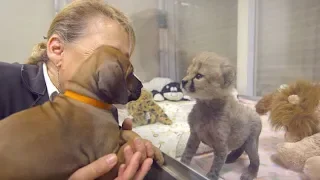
217 119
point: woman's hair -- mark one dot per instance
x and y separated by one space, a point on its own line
71 22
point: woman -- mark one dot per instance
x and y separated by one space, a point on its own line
74 33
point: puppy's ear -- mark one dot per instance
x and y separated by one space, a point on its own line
228 74
112 84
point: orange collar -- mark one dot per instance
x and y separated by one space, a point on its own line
87 100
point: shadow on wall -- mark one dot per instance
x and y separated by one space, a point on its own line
146 58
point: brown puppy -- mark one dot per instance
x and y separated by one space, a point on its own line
54 140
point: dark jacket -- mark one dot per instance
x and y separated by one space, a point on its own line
23 86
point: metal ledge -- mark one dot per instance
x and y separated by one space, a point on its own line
173 169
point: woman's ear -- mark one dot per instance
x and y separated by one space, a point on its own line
55 49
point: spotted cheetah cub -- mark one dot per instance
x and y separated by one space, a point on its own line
217 119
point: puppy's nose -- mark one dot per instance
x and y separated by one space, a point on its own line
184 82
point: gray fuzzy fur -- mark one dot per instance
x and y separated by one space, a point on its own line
217 119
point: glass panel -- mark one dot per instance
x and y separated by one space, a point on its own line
170 33
287 41
205 25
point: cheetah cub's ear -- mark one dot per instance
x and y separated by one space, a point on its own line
229 74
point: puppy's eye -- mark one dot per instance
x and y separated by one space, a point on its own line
199 76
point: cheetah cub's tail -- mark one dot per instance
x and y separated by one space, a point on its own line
234 155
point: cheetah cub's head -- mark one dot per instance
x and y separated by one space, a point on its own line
209 76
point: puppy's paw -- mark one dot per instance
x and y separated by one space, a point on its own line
128 138
158 156
127 135
247 176
153 152
212 176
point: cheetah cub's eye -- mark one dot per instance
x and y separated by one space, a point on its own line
199 76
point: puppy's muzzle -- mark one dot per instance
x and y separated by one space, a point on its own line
135 90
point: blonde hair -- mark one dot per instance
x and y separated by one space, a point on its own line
71 22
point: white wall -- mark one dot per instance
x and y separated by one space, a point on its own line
288 42
23 24
143 14
205 25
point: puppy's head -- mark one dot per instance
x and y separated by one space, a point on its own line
108 74
209 76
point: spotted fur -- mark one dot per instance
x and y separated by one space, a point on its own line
146 111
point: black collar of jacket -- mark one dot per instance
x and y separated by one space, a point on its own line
33 79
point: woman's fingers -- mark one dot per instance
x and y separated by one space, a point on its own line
140 147
132 167
144 169
95 169
128 153
122 168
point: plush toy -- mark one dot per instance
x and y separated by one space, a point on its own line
302 156
146 111
156 83
296 109
171 91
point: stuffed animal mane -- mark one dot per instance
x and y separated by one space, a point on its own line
296 108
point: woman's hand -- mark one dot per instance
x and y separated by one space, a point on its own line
132 169
96 169
128 171
103 165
